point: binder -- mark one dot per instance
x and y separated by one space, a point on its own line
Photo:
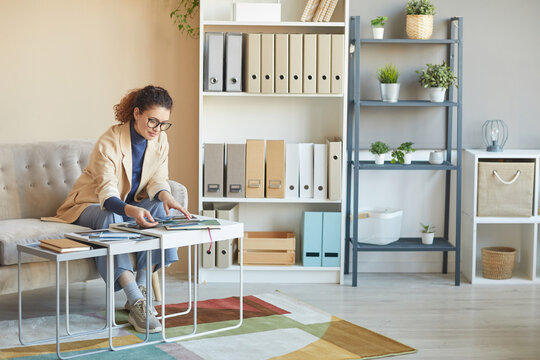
225 249
213 62
233 62
207 256
338 43
320 157
213 170
296 48
331 239
282 63
275 169
236 171
312 238
334 168
252 66
324 58
306 170
292 171
310 63
254 168
267 63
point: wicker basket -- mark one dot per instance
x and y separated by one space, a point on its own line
419 26
498 262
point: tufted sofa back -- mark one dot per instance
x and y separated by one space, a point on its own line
36 178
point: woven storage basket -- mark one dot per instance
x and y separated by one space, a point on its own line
419 26
498 262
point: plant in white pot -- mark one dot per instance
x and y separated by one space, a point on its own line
388 83
378 148
377 26
428 233
419 19
438 78
403 154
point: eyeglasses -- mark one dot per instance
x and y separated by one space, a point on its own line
154 123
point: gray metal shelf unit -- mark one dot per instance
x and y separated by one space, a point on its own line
354 165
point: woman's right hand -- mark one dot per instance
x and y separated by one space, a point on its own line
142 216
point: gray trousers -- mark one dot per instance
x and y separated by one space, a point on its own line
95 218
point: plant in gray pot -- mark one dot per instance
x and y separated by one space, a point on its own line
438 78
389 86
378 148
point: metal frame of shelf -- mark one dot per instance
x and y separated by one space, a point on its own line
355 165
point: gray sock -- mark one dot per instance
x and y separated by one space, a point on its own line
141 280
132 292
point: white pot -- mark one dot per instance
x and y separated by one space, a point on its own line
379 159
378 32
436 157
436 94
407 158
427 238
389 92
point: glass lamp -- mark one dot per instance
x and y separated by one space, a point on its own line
494 134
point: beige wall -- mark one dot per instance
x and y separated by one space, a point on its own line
65 63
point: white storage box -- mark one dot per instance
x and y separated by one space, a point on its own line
263 12
379 226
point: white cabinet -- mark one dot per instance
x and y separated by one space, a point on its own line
234 117
477 232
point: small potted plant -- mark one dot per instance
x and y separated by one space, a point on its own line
378 148
438 78
419 19
428 233
388 83
377 25
403 154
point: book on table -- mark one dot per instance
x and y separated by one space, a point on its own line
63 245
195 225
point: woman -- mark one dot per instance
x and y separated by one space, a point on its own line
126 178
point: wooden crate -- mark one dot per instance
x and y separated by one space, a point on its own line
269 248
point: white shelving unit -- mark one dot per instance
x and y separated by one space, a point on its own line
232 118
518 232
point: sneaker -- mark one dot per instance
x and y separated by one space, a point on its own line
137 318
128 306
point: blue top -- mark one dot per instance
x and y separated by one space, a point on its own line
138 148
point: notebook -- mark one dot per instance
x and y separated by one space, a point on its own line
195 225
63 245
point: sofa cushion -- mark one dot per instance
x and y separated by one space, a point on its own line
36 177
27 231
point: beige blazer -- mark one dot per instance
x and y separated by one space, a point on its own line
109 172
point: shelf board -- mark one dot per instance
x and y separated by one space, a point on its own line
245 94
280 23
415 165
408 103
270 200
517 278
271 274
507 220
409 41
410 244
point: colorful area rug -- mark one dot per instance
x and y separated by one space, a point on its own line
275 327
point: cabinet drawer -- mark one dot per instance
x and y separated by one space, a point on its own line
505 188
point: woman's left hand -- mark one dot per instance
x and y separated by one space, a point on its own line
169 202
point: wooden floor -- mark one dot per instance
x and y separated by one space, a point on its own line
425 311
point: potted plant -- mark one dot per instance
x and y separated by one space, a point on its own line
377 26
438 78
388 83
419 19
403 154
428 233
378 148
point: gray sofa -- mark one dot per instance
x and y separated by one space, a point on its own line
34 179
